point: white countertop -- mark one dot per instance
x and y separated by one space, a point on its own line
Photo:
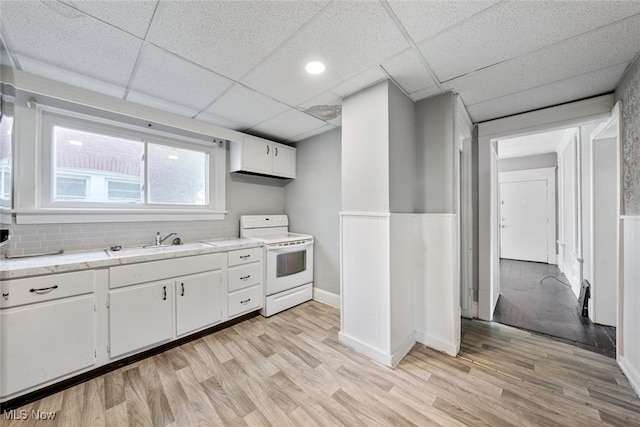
74 261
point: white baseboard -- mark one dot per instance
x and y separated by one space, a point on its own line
403 350
326 297
474 309
437 344
630 372
371 352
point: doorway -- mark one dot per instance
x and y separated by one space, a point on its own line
571 257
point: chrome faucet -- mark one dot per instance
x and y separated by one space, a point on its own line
159 239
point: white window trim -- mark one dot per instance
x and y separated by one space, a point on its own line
33 210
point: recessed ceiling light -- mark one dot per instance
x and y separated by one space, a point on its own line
75 142
314 67
173 157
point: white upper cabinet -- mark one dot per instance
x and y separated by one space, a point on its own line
261 156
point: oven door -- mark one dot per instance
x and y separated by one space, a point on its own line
288 266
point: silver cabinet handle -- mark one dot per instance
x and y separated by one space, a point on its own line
43 290
276 148
245 277
245 301
244 256
182 289
164 293
267 149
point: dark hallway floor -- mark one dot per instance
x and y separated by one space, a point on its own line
530 299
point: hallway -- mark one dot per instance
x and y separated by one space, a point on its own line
534 297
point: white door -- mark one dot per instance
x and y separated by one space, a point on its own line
44 341
199 301
523 220
284 161
257 155
132 328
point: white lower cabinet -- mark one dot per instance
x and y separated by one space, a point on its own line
44 341
140 316
199 301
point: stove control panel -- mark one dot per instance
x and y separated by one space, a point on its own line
263 221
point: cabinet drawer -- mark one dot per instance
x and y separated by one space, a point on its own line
244 276
244 256
124 275
45 288
245 300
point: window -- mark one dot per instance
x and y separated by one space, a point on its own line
6 126
91 163
68 188
118 190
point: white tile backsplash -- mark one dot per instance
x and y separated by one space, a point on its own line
38 239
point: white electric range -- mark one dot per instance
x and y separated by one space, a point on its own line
288 272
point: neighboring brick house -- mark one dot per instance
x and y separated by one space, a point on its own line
101 168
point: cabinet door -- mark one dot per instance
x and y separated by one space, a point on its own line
257 155
199 301
284 161
42 342
140 316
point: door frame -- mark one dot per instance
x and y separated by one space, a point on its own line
540 174
559 117
608 130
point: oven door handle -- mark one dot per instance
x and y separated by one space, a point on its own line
292 248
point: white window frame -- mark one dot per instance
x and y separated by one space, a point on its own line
42 209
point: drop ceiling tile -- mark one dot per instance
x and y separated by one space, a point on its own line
5 58
609 45
360 81
228 37
425 93
423 19
165 76
245 106
168 106
511 29
408 70
559 92
287 125
314 132
329 100
68 39
326 98
219 121
131 16
348 37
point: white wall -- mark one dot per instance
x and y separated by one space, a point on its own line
569 243
365 150
312 202
402 148
434 153
629 357
546 160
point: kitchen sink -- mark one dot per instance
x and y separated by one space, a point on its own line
155 249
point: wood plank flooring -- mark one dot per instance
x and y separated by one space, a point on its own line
290 370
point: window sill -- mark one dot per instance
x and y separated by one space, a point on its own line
69 216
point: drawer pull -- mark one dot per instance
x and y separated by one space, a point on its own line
164 293
5 296
245 277
43 290
245 301
245 256
182 291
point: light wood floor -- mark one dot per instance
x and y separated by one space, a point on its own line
290 370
